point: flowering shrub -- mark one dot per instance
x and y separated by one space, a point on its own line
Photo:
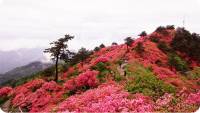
87 78
101 59
51 86
193 98
146 82
163 72
106 98
5 91
164 100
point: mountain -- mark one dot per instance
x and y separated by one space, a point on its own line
158 72
15 58
23 71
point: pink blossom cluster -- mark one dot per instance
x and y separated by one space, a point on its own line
88 78
101 59
4 91
164 100
28 87
193 98
43 98
106 98
51 86
163 72
152 53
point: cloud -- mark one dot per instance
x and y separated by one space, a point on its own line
38 22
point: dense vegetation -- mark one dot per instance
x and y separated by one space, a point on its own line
148 74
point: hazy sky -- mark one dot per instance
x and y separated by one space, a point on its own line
35 23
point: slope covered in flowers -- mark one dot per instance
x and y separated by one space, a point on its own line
116 79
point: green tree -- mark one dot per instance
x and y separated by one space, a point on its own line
80 56
96 49
128 42
143 33
57 49
114 44
102 46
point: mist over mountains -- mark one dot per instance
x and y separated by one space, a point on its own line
15 58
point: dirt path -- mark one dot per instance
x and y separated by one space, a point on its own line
121 69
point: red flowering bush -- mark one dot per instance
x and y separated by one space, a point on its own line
106 98
163 72
51 86
5 91
193 98
101 59
87 78
34 83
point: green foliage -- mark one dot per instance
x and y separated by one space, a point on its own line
154 39
119 62
3 100
102 46
170 27
194 74
143 33
162 30
186 42
164 47
176 61
59 49
103 70
139 48
118 77
96 49
80 56
49 71
114 44
146 82
100 66
128 41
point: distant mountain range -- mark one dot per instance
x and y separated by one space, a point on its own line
23 71
15 58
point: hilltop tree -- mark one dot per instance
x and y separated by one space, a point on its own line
143 33
80 56
128 42
57 50
102 46
96 49
114 44
83 54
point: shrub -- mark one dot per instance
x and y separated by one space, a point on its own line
154 39
175 61
143 33
146 82
101 59
186 42
194 74
106 98
86 79
161 30
117 77
139 48
170 27
5 91
164 47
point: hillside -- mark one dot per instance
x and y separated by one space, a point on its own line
23 71
16 58
157 72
